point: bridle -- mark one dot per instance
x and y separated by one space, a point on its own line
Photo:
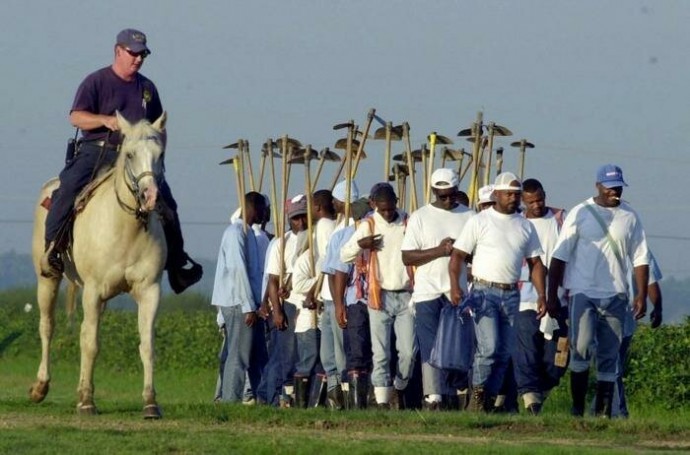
132 183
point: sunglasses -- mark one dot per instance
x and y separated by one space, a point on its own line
142 54
447 197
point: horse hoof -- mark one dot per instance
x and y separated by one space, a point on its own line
152 412
86 409
38 391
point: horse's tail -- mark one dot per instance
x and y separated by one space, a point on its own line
71 302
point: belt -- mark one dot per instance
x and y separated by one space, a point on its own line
501 286
100 143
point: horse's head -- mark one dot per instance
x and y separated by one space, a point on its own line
141 158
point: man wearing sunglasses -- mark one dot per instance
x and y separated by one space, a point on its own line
121 88
428 244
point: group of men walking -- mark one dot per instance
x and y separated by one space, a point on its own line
350 318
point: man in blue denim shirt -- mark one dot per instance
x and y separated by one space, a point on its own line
498 239
237 292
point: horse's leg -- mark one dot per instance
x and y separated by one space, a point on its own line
91 304
46 295
148 300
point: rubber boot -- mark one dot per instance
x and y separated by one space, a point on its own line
579 381
359 389
301 392
604 399
478 402
318 392
450 402
336 398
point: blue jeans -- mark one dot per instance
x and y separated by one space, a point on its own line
493 321
272 381
395 315
332 350
534 356
286 346
596 324
357 338
622 359
307 352
246 354
434 381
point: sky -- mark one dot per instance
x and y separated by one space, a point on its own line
588 82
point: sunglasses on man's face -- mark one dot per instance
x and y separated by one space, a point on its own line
142 54
446 197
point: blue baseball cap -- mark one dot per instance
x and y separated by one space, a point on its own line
610 176
134 40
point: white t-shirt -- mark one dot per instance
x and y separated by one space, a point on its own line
293 244
302 282
392 272
426 228
498 244
592 267
322 233
547 228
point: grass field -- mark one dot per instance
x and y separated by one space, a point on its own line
192 424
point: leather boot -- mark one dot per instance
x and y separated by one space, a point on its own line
359 389
301 392
52 265
579 382
604 399
319 389
180 277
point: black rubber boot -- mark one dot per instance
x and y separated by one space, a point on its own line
336 399
579 383
603 403
301 392
318 391
359 389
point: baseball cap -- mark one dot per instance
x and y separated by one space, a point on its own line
378 187
339 191
485 193
610 176
296 206
504 182
443 178
359 208
134 40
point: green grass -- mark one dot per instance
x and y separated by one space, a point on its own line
192 424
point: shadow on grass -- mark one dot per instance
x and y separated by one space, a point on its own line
8 340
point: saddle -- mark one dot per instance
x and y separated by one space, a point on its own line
64 239
85 194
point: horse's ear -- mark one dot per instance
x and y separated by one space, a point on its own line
159 124
124 125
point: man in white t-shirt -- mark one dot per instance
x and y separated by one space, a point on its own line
284 303
499 239
533 359
598 238
306 280
428 242
377 242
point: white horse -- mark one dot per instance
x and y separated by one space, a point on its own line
118 246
